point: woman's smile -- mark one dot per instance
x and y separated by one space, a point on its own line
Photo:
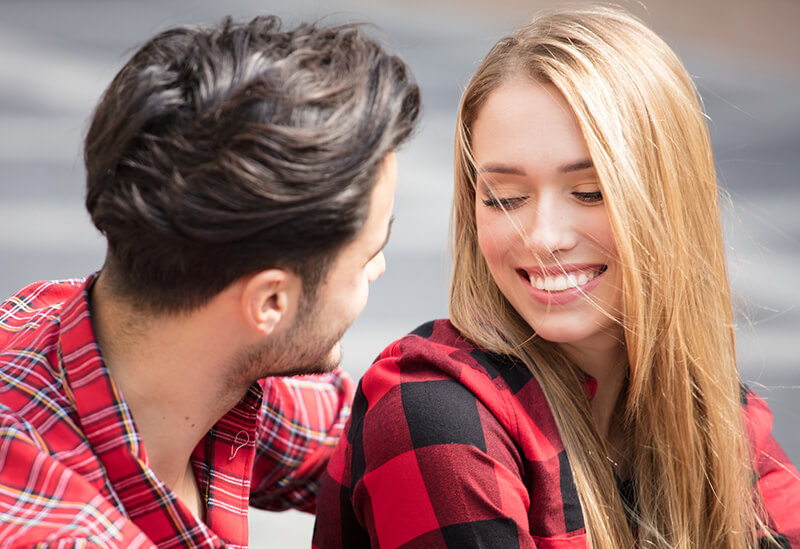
561 284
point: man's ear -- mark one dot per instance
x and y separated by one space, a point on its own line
269 297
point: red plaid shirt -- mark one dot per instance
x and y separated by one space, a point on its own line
74 473
453 447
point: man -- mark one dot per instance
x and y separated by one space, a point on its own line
243 177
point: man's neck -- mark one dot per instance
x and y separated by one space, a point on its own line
170 371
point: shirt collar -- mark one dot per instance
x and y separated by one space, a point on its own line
110 430
590 386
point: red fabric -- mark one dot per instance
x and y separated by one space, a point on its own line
453 447
777 478
74 473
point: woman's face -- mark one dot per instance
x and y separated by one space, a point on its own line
542 223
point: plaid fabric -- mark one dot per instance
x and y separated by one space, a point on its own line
453 447
74 473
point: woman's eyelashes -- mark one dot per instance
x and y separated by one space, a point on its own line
589 197
504 203
509 203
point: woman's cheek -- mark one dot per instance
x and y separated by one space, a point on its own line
494 238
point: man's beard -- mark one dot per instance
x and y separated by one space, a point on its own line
298 353
305 348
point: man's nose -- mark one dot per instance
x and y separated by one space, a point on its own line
376 267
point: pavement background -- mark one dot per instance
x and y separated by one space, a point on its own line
56 56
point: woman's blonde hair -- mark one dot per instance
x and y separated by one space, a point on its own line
645 131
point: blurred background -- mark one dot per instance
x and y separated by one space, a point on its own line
56 57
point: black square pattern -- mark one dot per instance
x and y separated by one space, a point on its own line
441 412
484 534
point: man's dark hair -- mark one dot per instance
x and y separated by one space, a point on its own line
220 151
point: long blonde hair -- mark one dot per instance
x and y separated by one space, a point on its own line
645 130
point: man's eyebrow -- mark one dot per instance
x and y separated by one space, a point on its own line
576 166
385 240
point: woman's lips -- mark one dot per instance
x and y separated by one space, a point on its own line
561 284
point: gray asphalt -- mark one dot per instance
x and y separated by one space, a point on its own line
57 55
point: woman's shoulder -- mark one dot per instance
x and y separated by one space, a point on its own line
437 366
757 418
438 397
437 350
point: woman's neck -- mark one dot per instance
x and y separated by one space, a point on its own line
607 362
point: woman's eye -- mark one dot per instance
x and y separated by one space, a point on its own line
504 203
589 198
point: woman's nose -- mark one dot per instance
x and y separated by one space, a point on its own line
549 229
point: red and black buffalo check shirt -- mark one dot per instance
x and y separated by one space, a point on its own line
74 473
453 447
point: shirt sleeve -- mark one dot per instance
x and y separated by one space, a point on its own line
424 465
777 479
301 420
33 305
43 503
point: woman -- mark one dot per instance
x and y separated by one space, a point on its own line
585 390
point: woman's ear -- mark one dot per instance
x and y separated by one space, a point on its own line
268 298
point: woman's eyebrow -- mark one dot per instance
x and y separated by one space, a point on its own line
576 166
502 169
518 170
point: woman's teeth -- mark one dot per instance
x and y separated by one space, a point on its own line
561 282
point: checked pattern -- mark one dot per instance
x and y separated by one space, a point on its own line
74 472
451 447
